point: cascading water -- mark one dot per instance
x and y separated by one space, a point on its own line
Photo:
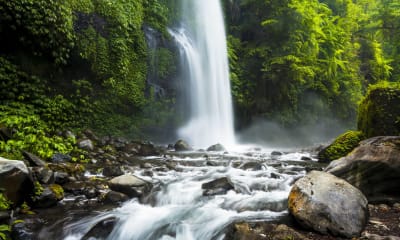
204 59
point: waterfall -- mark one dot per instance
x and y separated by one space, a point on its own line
202 41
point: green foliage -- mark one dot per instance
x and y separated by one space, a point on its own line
4 230
29 134
38 189
379 111
16 85
342 146
43 26
4 203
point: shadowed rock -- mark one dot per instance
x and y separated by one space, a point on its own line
373 167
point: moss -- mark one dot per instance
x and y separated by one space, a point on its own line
342 146
57 190
379 111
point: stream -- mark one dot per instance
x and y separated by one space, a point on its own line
179 208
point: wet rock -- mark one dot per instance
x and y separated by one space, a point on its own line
254 166
101 230
304 158
15 180
216 148
132 148
261 231
86 144
61 178
43 175
181 145
217 187
373 167
49 196
69 134
60 158
113 197
327 204
130 185
20 231
276 153
76 188
148 149
33 159
112 171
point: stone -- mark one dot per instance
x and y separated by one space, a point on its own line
148 149
60 158
261 231
101 230
89 133
217 187
49 196
33 159
43 175
20 231
378 112
276 153
341 146
15 179
130 185
181 145
112 171
328 204
373 167
113 197
61 177
216 148
86 144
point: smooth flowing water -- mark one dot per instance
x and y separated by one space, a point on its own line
204 62
179 207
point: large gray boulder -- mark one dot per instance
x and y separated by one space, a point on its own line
373 167
327 204
130 185
15 180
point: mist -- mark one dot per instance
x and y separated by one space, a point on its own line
272 134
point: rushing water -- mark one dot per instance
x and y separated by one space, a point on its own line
178 209
202 41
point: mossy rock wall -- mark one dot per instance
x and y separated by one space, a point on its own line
379 111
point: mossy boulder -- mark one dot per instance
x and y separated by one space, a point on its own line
341 146
379 111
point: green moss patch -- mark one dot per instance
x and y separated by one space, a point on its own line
342 146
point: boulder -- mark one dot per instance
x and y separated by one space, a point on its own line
49 196
86 144
15 179
33 159
112 171
341 146
148 149
43 175
101 230
327 204
217 187
379 111
130 185
113 197
373 167
181 145
216 148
